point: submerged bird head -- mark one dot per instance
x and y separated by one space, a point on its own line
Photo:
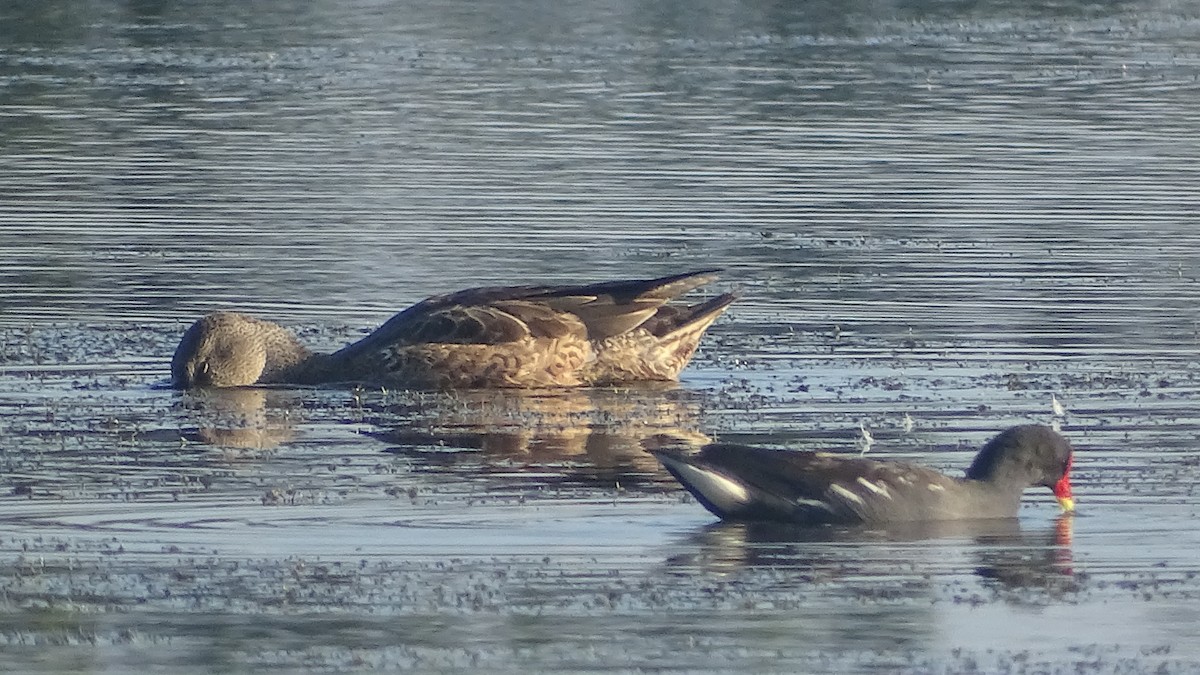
1029 454
227 349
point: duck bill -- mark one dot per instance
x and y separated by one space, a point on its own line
1062 492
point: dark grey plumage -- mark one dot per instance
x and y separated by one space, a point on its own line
738 482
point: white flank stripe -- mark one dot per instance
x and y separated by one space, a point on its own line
846 494
814 503
878 488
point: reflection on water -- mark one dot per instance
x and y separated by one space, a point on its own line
1018 560
1021 164
1035 563
600 433
950 211
242 418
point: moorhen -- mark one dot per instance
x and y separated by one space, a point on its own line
610 333
737 482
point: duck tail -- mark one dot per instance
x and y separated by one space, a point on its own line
671 287
679 331
651 291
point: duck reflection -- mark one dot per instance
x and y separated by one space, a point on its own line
595 436
601 433
240 418
1007 559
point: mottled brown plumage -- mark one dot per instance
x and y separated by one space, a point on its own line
523 336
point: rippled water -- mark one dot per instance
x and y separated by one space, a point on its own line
952 212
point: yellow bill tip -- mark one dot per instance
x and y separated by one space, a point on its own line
1067 504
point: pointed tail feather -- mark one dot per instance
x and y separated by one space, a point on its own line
616 307
679 332
698 317
662 288
666 288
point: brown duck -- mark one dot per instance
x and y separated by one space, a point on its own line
602 334
739 482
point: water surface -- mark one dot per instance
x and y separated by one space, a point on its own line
952 212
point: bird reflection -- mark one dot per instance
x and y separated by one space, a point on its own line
598 435
240 418
1043 560
1007 559
603 432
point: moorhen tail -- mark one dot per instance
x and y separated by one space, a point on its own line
738 482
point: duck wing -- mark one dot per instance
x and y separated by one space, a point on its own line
502 314
494 323
616 307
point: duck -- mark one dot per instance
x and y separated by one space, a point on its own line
525 337
747 483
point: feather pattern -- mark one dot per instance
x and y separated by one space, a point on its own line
607 333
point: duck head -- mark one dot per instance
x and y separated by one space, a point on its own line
228 349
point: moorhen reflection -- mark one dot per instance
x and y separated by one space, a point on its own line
1005 557
1042 561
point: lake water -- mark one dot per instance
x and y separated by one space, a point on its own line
951 211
